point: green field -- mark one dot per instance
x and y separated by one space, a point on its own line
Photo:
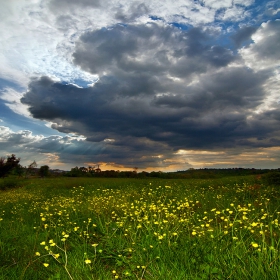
79 228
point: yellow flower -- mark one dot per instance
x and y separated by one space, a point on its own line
45 264
56 256
43 243
255 245
94 245
87 261
37 254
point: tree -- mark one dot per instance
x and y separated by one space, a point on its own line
74 172
8 164
19 170
30 169
44 170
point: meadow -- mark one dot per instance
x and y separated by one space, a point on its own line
100 228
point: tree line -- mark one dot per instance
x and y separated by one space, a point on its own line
10 165
203 173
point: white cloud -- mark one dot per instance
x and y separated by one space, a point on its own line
218 4
12 98
45 150
235 13
263 55
20 137
31 44
243 2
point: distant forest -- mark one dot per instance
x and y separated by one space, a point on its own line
204 173
11 166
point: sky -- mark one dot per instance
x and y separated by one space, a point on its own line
158 85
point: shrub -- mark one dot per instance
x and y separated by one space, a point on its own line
9 183
272 178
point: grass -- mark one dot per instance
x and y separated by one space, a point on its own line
78 228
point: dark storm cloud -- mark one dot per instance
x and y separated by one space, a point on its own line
151 49
213 114
243 35
146 102
235 89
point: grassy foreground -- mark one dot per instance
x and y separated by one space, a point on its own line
75 228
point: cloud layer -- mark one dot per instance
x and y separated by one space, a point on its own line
169 80
160 89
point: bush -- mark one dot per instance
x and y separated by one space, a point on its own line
272 178
9 183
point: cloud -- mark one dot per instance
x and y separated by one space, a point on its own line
45 32
72 4
264 51
33 45
134 11
263 55
149 100
59 151
149 48
108 13
164 77
68 152
243 34
234 13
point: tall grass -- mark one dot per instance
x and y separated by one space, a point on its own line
70 228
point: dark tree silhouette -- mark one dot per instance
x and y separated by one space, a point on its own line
8 164
44 171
